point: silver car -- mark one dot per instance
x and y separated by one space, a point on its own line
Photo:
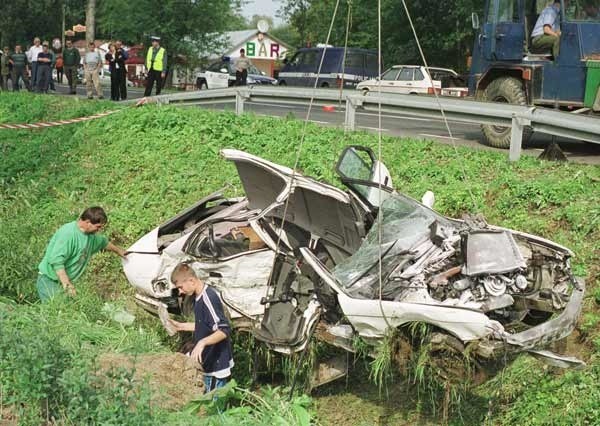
296 257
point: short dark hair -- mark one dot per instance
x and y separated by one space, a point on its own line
94 214
183 270
243 50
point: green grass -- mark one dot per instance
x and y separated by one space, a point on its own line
143 165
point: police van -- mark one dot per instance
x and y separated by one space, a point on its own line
301 69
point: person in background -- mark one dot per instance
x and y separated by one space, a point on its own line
52 66
19 68
4 68
241 68
111 58
122 56
71 60
59 69
92 62
44 69
546 32
32 55
156 64
212 332
69 252
592 12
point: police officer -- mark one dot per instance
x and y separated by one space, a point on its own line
156 64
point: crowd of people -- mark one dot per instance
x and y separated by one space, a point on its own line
34 69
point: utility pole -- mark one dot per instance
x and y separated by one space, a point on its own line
90 21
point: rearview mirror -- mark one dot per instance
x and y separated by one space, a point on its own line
475 21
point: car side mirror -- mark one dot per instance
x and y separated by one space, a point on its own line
224 70
475 21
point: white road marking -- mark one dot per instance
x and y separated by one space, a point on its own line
436 136
373 128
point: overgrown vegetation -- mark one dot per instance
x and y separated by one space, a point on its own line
146 164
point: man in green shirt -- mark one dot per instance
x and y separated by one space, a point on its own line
71 60
69 252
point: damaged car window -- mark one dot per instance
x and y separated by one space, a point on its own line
404 224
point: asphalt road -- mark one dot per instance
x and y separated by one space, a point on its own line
464 134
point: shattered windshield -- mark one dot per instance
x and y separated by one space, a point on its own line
404 223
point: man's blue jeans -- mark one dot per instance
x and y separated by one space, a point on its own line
212 383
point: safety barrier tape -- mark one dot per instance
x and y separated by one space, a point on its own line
46 124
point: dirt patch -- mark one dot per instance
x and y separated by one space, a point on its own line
172 376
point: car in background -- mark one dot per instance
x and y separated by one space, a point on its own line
221 74
413 80
302 69
297 256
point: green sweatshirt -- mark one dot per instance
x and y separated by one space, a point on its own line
71 57
70 249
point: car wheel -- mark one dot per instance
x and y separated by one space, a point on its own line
365 91
282 83
505 90
325 85
201 85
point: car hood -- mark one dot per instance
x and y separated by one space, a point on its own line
321 209
262 78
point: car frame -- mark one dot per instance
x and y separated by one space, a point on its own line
482 290
221 74
411 80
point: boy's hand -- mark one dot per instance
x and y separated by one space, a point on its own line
197 352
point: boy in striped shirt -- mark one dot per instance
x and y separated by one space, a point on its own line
211 329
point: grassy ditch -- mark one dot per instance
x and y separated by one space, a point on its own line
143 165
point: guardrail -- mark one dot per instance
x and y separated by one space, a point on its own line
468 111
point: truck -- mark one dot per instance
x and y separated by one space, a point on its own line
505 67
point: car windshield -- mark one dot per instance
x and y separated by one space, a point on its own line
404 224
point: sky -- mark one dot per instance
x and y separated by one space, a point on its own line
262 7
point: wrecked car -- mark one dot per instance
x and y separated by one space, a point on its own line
296 257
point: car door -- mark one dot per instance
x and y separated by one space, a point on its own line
389 81
217 76
404 83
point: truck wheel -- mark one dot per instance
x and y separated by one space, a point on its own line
506 90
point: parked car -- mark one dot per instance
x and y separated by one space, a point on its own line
486 293
221 74
302 68
413 79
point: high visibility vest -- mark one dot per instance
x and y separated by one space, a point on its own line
158 59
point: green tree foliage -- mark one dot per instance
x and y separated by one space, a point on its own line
22 20
186 27
444 28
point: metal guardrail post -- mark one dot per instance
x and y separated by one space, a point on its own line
350 119
239 102
516 137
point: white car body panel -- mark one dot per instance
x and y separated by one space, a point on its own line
371 318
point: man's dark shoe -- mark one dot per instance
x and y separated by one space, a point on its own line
100 97
90 97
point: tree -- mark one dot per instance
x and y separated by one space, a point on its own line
90 21
444 28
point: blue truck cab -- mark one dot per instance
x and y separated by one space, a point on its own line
302 68
505 67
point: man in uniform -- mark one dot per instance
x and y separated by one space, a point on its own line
121 57
71 59
69 252
241 68
156 64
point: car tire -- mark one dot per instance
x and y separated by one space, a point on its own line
365 91
282 83
325 85
506 90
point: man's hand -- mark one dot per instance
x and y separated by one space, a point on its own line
118 250
182 326
70 289
163 75
197 352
